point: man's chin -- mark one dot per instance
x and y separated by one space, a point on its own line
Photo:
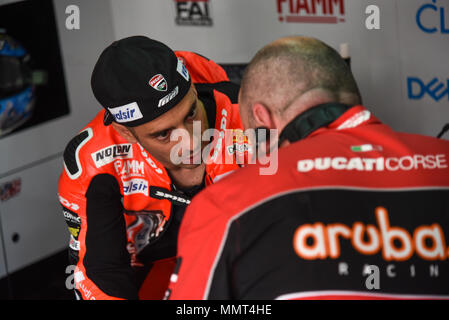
188 166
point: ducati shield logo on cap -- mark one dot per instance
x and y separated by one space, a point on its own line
158 82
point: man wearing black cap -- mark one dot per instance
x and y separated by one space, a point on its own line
122 193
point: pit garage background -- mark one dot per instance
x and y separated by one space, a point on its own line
400 65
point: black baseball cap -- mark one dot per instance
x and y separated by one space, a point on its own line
137 79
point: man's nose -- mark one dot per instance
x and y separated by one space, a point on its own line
192 141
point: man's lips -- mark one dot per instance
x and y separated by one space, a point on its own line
192 157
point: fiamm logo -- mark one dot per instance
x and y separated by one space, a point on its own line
431 18
311 11
435 89
193 13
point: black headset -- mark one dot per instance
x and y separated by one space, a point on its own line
305 123
312 119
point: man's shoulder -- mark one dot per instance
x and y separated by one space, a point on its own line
202 69
332 159
95 146
420 141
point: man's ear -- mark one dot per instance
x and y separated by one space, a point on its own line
263 116
124 132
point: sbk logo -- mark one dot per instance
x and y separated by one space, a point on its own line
434 88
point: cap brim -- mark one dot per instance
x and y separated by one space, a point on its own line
108 118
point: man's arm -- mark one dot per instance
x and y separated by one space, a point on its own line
94 214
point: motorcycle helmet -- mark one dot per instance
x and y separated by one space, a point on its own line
17 94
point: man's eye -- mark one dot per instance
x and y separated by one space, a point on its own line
192 113
163 135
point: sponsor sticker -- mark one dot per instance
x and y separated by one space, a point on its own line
405 163
135 186
172 196
158 82
129 168
71 217
311 11
181 68
10 189
78 276
146 228
109 154
74 244
394 242
126 113
66 203
163 101
193 13
366 148
355 120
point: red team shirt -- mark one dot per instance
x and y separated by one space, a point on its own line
348 196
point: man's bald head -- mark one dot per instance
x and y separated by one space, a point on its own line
293 74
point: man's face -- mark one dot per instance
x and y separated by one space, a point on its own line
154 136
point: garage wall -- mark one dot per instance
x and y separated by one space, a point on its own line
33 225
382 59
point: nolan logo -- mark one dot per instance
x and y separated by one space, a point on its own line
109 154
126 113
135 186
158 82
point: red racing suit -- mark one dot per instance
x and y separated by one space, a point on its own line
120 205
355 211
